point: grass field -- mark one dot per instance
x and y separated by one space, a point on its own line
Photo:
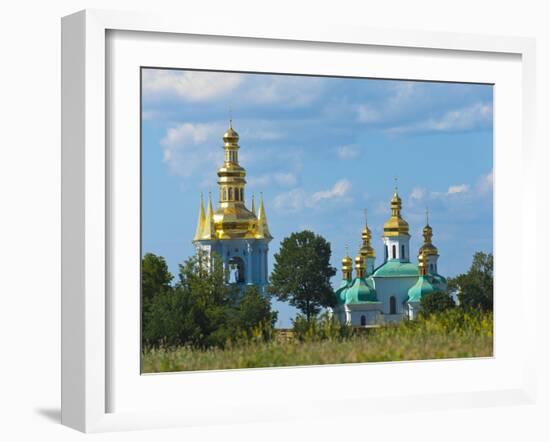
451 336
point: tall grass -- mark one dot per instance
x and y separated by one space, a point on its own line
454 334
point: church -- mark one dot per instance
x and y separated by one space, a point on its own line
392 291
239 235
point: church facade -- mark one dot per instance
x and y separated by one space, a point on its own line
240 236
393 290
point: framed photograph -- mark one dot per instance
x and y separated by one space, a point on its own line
283 223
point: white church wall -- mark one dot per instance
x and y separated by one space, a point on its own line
398 287
399 242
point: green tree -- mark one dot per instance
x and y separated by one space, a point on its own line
155 277
475 288
436 302
202 310
254 309
302 271
155 281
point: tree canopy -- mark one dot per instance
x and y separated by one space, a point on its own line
436 302
475 288
302 271
201 310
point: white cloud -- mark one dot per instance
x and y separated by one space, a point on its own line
475 116
340 189
367 114
189 148
291 91
418 193
402 96
485 183
293 200
189 85
298 199
282 179
460 188
348 152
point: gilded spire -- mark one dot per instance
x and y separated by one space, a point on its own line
208 231
200 221
396 225
366 249
263 229
428 248
253 207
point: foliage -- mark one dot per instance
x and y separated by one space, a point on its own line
319 328
254 310
155 279
475 288
436 302
455 333
202 310
302 271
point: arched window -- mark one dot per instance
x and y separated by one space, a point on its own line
242 194
224 194
386 253
431 267
393 251
393 305
230 193
402 251
363 320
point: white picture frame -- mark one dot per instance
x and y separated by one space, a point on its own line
87 207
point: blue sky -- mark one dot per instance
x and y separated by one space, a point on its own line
322 150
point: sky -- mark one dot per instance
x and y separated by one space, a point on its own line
322 150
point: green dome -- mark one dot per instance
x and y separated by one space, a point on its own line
420 289
395 268
340 293
360 291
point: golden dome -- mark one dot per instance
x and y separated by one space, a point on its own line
422 264
231 220
366 250
360 266
396 226
347 261
230 136
428 248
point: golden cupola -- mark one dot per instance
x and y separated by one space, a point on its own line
347 267
360 267
231 220
428 248
366 250
422 264
396 225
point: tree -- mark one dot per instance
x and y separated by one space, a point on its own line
436 302
202 310
475 288
155 277
302 271
155 281
254 310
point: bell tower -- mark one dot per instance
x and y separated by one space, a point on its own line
231 230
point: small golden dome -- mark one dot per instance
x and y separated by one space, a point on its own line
396 226
359 261
366 234
346 261
231 136
396 200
